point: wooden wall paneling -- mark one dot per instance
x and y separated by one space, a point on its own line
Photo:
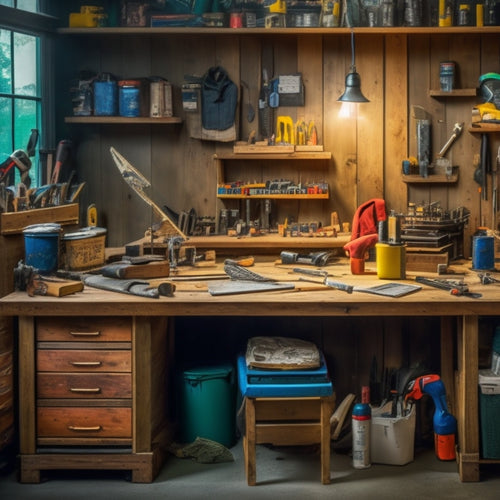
370 140
310 65
490 62
250 73
395 121
339 131
418 63
182 166
126 213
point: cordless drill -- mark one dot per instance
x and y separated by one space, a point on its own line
445 424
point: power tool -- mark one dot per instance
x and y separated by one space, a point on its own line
445 424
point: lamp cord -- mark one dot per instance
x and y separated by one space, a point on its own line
353 62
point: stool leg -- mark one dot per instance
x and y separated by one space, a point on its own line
249 442
325 440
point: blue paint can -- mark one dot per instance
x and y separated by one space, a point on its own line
129 98
41 246
105 98
483 253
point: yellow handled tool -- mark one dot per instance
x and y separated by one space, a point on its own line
284 130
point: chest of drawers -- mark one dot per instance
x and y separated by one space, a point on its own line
93 394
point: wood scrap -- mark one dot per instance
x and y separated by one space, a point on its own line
339 416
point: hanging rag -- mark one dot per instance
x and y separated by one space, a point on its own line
364 233
219 99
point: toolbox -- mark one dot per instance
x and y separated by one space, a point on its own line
489 407
283 383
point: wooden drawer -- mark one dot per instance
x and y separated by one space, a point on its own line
84 422
97 329
84 360
84 385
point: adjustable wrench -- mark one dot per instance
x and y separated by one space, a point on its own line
457 130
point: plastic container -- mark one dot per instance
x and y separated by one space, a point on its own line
41 247
495 355
208 404
392 438
489 408
483 252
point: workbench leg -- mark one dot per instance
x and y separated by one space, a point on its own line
467 399
448 328
249 440
326 412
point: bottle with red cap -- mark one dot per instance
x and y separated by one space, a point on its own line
361 428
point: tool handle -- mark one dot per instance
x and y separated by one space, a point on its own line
339 286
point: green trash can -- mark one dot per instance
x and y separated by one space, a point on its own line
208 404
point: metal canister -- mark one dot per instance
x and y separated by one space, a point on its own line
129 98
447 75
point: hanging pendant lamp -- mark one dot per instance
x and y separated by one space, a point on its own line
352 91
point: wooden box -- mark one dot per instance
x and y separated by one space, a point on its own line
15 222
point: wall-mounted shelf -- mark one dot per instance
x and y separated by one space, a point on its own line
432 178
274 196
453 93
484 128
122 120
312 155
397 30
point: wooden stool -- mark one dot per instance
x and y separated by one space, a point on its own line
287 421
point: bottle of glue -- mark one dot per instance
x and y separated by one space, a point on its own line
361 429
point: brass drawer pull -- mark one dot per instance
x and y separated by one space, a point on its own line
85 334
93 390
84 429
85 363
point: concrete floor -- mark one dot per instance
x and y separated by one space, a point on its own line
282 473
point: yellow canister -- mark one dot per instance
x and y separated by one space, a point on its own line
391 261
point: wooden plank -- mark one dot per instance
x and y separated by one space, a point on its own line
15 222
339 131
396 121
370 136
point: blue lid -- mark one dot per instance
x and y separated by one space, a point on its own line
361 410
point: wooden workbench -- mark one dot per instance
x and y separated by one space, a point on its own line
459 315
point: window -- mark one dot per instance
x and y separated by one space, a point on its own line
22 97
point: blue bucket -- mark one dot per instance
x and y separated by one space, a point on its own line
41 247
483 253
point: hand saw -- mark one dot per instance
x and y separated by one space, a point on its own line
138 183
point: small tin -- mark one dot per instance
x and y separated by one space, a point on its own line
447 75
129 98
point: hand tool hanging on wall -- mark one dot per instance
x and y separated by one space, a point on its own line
457 130
138 183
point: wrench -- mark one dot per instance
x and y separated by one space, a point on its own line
457 130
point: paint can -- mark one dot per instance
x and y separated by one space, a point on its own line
483 253
129 98
447 75
391 261
41 246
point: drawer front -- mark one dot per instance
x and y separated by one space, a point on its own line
96 329
83 385
84 422
85 360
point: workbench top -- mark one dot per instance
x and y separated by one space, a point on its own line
305 299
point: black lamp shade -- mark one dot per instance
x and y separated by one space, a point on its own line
352 91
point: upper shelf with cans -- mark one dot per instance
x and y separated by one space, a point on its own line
185 30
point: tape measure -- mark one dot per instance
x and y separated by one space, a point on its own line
92 215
